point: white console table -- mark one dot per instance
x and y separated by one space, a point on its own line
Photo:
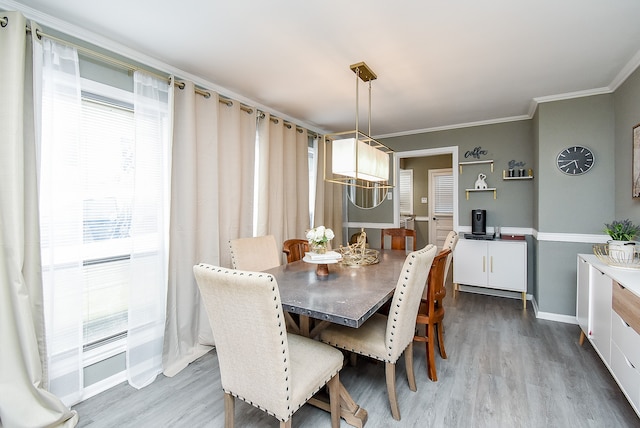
608 312
494 264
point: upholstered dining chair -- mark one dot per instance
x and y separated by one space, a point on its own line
295 249
261 363
398 237
385 338
430 315
255 254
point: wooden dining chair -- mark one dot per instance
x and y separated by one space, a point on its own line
295 249
398 237
386 338
450 243
430 315
260 363
255 254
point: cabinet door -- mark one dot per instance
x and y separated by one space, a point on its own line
582 296
507 265
470 263
601 294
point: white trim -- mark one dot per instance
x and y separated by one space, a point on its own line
567 319
104 352
358 225
572 237
457 126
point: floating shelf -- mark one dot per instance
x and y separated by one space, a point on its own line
461 164
526 177
491 189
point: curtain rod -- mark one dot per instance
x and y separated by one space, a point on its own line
102 57
127 66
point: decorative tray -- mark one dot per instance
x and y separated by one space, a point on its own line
616 258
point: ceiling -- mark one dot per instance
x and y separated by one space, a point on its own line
440 64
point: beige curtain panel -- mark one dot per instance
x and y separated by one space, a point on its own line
24 399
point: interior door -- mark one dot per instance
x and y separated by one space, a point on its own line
440 205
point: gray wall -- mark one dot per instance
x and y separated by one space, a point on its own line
627 115
571 204
503 142
552 204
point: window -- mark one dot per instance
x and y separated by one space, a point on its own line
313 174
406 192
107 136
443 187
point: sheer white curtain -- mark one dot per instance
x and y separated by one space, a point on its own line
61 219
24 399
212 191
283 198
329 197
149 229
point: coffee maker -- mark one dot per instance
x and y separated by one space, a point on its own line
479 222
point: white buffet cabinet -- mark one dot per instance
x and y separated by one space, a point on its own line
608 312
494 264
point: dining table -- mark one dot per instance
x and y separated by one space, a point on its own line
347 295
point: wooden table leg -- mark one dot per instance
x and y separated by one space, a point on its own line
353 414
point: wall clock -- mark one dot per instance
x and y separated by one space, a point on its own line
575 160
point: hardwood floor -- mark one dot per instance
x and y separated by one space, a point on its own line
505 369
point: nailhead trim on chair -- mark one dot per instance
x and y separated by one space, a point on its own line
282 333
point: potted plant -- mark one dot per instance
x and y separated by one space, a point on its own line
622 232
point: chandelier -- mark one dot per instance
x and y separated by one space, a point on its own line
356 158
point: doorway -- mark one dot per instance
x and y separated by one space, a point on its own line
422 222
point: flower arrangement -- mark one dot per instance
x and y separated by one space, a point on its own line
318 238
622 230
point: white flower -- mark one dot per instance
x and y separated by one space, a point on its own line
319 235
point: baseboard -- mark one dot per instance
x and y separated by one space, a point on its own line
567 319
492 292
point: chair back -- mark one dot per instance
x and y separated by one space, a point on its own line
406 301
248 326
255 254
435 289
398 237
295 249
450 243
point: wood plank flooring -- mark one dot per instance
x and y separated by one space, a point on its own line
505 369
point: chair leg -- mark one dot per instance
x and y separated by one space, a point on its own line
440 328
229 410
334 400
408 360
390 371
431 357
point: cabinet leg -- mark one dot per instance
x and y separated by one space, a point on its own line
524 300
582 336
455 290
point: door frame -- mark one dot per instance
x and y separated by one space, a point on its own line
453 151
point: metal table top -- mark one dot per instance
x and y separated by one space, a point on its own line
348 296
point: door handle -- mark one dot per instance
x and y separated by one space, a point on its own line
484 262
491 264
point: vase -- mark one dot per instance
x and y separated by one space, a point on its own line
320 248
622 251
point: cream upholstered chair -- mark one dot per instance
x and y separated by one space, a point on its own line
255 254
261 363
385 338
